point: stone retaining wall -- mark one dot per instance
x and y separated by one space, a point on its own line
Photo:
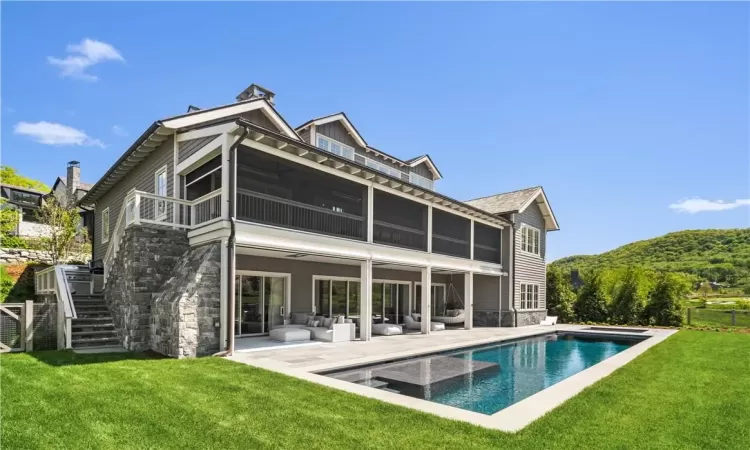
143 263
530 317
185 318
21 256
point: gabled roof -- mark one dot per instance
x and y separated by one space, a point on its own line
64 180
517 202
338 117
341 117
160 131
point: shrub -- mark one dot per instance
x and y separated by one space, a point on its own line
560 295
664 307
592 304
631 297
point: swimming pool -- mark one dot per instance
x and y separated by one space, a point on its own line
489 378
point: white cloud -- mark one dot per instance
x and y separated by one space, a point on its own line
696 205
56 134
117 130
84 55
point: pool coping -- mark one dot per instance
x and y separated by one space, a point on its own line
511 419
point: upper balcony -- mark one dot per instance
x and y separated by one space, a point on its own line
282 192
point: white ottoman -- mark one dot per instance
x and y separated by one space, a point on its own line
289 334
386 329
437 326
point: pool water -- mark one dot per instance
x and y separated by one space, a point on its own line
489 378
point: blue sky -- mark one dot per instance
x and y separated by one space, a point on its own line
618 110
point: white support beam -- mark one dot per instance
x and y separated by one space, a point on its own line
381 180
223 296
338 164
426 299
302 152
471 240
370 211
281 145
320 159
354 170
469 300
369 176
225 168
429 229
175 178
365 323
258 136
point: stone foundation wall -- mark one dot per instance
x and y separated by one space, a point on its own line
485 318
185 318
508 319
144 261
20 256
531 317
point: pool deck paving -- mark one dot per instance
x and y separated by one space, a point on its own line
304 362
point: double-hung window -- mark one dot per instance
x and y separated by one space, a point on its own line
160 189
529 296
530 240
105 226
335 147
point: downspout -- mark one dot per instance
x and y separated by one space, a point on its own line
511 271
231 243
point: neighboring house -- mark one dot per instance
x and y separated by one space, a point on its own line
531 215
27 202
223 222
70 190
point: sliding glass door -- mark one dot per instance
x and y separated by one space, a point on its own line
336 297
437 301
389 301
260 302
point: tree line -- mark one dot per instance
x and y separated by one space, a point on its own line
624 296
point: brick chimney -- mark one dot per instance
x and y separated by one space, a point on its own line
73 181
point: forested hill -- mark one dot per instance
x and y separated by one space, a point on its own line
714 255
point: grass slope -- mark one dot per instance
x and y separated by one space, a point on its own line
723 255
692 391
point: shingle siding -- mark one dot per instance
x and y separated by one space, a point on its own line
530 268
189 148
141 177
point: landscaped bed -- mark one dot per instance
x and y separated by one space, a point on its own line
693 390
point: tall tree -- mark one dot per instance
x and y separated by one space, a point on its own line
592 304
631 297
62 229
560 295
9 175
665 301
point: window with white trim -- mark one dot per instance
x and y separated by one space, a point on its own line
160 189
529 296
530 240
335 147
105 226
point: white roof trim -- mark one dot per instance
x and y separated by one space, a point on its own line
348 125
208 115
426 159
549 218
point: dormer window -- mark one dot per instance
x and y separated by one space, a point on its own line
335 147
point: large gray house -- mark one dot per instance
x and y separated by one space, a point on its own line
227 222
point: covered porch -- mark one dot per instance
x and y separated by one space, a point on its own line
275 286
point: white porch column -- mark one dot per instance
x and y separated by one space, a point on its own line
225 168
471 240
429 229
365 321
370 211
469 300
426 299
223 295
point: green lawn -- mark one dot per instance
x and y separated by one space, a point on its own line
691 391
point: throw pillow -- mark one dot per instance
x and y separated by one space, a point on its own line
328 321
299 318
315 323
310 322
